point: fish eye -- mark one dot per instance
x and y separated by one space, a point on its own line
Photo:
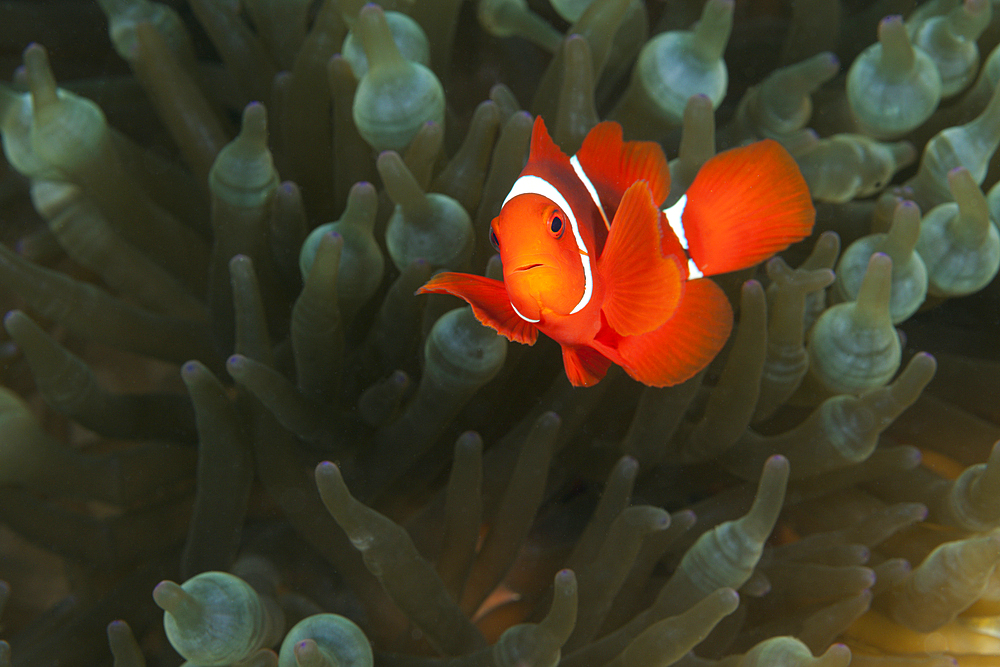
494 240
556 224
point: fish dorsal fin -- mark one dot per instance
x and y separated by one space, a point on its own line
544 154
490 303
613 165
745 205
641 286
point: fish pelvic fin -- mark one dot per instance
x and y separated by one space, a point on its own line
684 344
490 303
585 366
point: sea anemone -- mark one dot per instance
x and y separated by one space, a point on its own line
230 430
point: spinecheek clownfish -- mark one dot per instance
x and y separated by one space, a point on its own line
590 260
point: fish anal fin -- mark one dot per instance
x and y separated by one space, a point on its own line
744 205
613 165
490 303
685 344
585 366
641 287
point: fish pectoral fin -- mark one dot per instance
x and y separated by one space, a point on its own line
490 303
585 366
685 344
642 287
745 205
613 164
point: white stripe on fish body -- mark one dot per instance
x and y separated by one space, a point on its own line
530 184
674 214
582 175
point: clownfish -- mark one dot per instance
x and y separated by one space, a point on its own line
590 259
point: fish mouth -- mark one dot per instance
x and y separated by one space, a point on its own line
527 267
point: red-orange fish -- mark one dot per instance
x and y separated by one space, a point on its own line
590 260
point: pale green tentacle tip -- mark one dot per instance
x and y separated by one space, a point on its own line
41 80
540 645
674 66
781 104
431 227
909 274
892 87
216 618
711 34
790 652
334 493
66 129
794 281
376 37
950 40
123 645
396 96
407 35
726 556
361 263
327 254
508 18
667 640
763 514
125 15
853 346
325 640
177 603
880 161
896 54
982 482
959 245
847 166
572 10
461 353
972 225
872 304
243 173
16 120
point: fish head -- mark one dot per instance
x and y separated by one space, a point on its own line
542 264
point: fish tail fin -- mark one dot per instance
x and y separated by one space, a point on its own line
745 205
585 366
490 303
685 343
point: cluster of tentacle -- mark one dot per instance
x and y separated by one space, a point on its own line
230 430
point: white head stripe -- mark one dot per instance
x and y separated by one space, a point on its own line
526 319
537 185
578 168
674 214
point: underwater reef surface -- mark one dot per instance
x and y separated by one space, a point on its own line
230 432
